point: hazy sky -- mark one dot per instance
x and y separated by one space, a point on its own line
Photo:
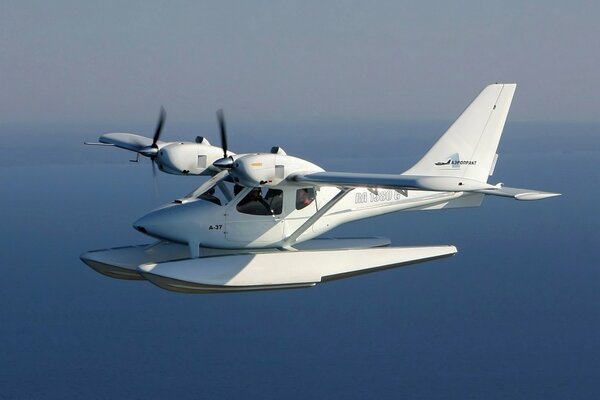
86 62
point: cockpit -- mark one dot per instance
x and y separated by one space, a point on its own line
252 201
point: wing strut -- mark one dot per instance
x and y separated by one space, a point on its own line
291 240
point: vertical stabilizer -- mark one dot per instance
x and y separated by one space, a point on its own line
468 148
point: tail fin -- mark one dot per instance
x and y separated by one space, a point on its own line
468 148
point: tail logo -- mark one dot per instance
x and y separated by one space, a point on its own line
453 161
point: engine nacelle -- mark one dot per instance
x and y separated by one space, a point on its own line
186 158
264 169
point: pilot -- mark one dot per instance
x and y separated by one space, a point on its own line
254 204
303 198
237 189
209 195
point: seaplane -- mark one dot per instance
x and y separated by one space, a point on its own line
257 221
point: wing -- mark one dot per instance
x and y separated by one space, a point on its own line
391 181
127 141
417 182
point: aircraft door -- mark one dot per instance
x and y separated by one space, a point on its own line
255 216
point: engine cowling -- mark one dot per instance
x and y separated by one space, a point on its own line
186 158
265 169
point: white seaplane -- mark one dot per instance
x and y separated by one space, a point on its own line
253 225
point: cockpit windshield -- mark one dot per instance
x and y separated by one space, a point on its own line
255 201
219 193
209 195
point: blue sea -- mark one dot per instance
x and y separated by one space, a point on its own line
514 315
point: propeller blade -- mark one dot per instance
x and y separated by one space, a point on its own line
154 179
161 121
221 118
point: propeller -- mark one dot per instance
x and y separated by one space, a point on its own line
159 126
154 179
227 161
152 150
223 130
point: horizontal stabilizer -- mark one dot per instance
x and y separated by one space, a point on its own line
519 194
279 270
391 181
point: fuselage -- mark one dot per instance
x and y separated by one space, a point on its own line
240 223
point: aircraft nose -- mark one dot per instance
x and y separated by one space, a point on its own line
143 222
155 224
139 228
175 223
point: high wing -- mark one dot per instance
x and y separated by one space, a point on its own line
128 141
417 182
391 181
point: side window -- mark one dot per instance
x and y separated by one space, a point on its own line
304 197
275 199
255 203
